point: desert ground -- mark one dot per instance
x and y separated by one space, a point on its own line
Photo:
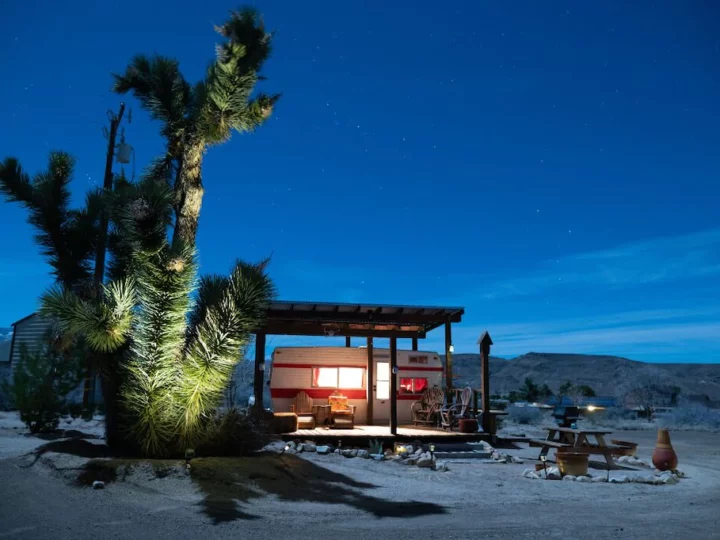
45 493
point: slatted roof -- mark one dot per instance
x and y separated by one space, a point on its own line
377 320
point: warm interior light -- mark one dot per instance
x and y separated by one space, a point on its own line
351 377
326 377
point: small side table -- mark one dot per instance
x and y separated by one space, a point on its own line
322 414
285 422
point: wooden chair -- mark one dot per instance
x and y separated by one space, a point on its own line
450 416
303 408
426 410
342 414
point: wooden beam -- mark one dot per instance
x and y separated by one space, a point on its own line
393 386
285 328
448 358
415 343
360 317
370 381
485 341
347 341
259 380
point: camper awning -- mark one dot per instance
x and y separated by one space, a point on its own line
362 320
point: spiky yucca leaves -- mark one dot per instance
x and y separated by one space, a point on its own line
105 326
67 237
195 117
215 341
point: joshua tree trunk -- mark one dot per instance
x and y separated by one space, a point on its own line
189 193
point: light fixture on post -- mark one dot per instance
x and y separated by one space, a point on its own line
543 458
451 348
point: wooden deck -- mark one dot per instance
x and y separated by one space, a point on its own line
366 433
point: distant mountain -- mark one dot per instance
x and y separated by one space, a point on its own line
607 375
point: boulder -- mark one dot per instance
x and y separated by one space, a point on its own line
584 479
291 445
569 478
309 447
529 473
363 454
418 452
622 479
300 447
598 479
378 457
425 460
441 466
322 450
514 459
349 453
97 484
412 460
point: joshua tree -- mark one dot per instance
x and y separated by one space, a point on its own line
195 117
179 354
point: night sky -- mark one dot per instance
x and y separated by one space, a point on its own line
551 166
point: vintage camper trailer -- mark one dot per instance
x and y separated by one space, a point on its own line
320 371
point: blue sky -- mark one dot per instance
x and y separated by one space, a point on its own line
552 167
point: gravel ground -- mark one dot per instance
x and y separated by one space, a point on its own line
330 496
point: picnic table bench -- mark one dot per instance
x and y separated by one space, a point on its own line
577 440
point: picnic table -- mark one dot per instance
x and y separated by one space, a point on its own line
578 440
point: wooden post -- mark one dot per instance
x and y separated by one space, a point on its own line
115 119
369 383
414 344
393 385
448 360
347 341
485 341
259 381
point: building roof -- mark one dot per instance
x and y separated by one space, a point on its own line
342 319
24 319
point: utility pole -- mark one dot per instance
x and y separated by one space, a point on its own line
115 119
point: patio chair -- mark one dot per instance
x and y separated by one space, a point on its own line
303 408
427 410
342 414
450 416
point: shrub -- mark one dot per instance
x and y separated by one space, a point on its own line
611 417
233 433
39 385
691 417
525 415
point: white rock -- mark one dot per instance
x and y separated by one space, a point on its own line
378 457
554 476
529 473
569 478
441 466
363 454
300 447
97 484
670 480
323 449
622 479
598 479
418 452
309 447
496 456
514 459
425 460
584 479
409 448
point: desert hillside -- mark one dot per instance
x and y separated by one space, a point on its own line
608 375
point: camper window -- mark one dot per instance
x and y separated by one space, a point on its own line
344 377
412 385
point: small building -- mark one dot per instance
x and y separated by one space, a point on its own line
30 333
320 371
